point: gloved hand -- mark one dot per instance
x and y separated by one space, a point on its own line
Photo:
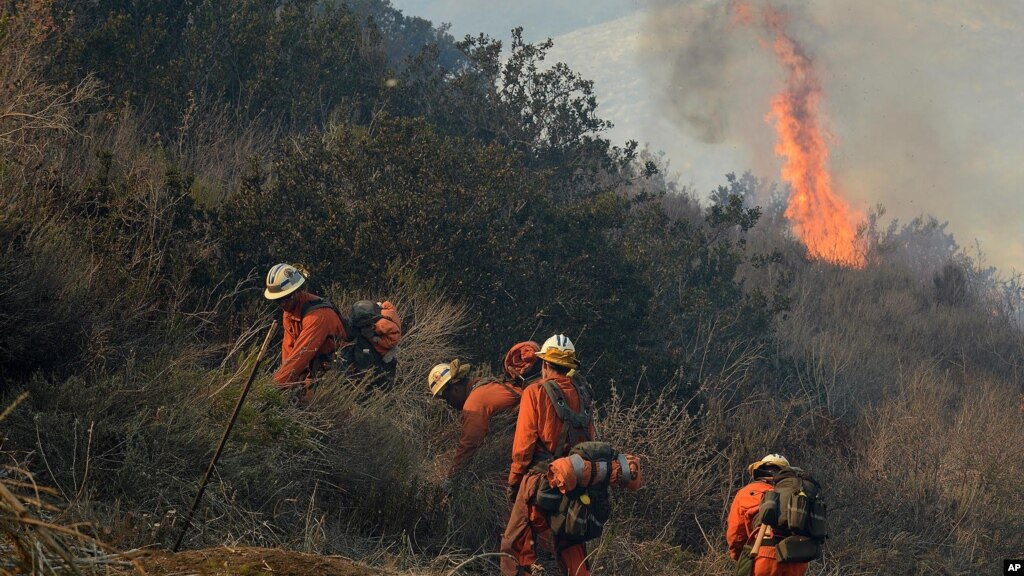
512 493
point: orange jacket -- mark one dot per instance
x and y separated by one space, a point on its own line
740 532
539 426
320 332
388 329
740 526
484 401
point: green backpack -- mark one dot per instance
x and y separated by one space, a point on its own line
797 514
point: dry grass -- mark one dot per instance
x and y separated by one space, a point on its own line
35 536
356 472
33 113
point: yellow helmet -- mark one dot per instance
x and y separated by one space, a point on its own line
442 374
559 350
282 280
769 460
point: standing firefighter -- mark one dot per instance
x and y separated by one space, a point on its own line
313 330
776 522
480 399
554 416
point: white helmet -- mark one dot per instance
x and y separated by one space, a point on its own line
282 280
769 460
559 350
438 378
442 374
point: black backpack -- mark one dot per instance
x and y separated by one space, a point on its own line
578 515
365 314
797 514
583 512
359 327
361 354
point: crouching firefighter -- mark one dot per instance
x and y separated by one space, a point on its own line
479 399
776 522
554 416
313 330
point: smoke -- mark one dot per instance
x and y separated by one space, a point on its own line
699 100
921 98
707 62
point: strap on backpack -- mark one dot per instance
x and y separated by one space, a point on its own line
314 304
626 477
482 381
578 421
318 303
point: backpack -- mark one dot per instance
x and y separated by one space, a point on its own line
582 513
797 514
365 314
366 323
578 515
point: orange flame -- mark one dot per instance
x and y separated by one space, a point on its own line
819 216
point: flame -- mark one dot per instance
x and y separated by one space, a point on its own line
817 214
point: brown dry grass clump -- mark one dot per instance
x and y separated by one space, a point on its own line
36 535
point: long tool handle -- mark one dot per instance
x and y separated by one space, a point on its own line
760 538
224 438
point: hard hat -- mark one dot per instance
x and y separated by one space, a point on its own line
769 460
559 350
282 280
442 374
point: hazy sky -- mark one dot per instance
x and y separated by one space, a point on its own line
924 99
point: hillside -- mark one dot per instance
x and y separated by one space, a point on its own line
158 158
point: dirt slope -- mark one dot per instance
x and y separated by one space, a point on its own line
249 561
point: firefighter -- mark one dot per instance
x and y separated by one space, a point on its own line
740 531
313 330
541 436
479 399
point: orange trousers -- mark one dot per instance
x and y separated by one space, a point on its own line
766 565
526 526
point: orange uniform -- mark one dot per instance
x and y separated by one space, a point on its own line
538 429
740 532
484 401
319 333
